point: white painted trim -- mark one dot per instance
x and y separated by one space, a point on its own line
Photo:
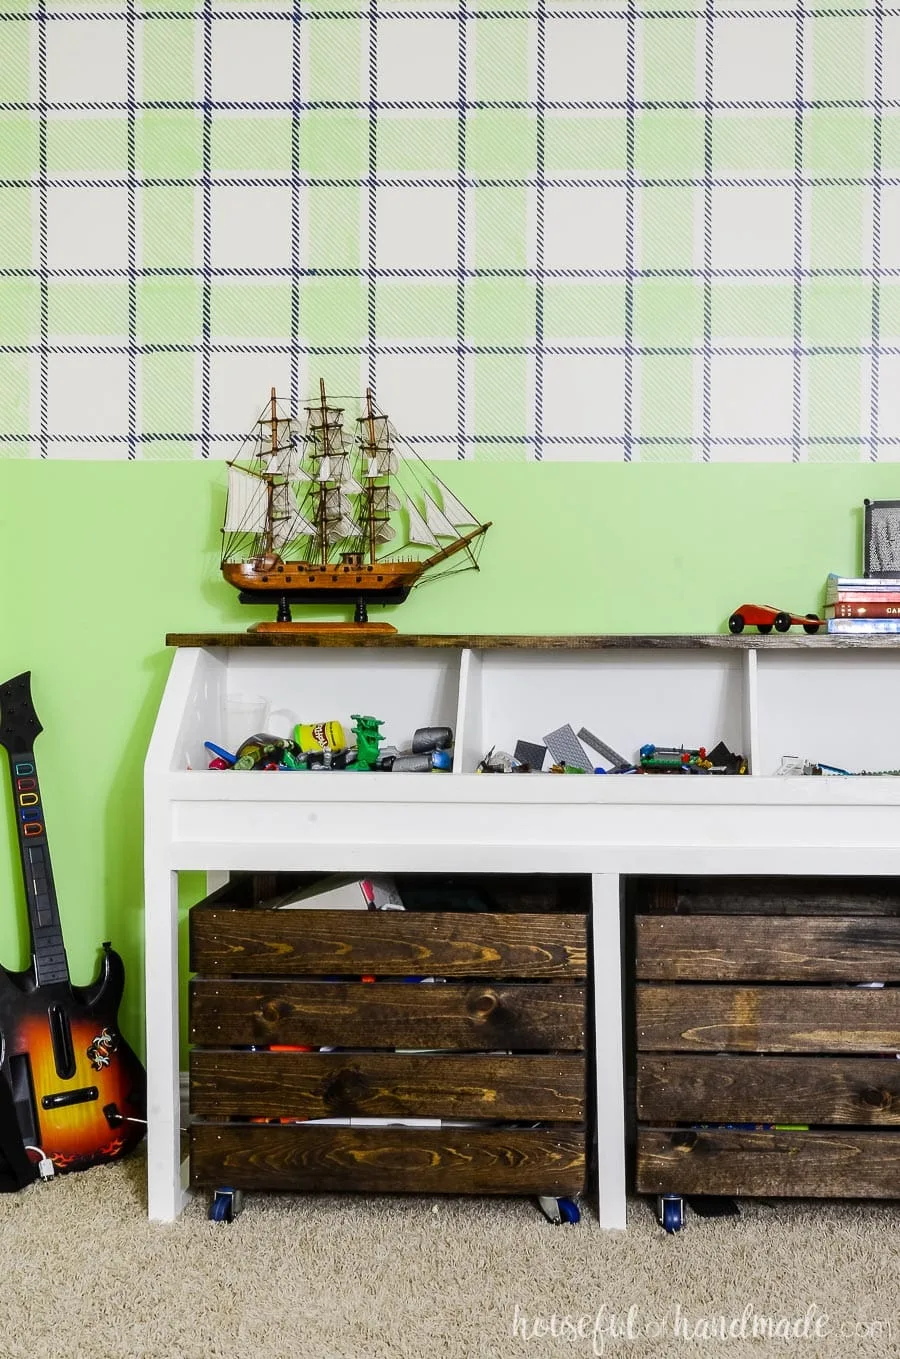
608 1054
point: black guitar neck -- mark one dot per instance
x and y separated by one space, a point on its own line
18 728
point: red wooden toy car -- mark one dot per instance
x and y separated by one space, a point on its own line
764 618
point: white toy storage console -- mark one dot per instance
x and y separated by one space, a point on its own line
823 698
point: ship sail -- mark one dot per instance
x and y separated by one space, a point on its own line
419 532
437 521
455 511
247 506
344 527
288 523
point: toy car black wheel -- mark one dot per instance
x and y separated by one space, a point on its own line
782 622
764 627
736 622
811 627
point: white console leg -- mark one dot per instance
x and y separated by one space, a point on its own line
165 1194
608 1049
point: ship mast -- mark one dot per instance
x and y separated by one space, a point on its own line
322 519
370 487
269 538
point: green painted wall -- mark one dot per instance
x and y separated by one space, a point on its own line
100 560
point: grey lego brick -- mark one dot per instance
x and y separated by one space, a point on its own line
615 759
565 748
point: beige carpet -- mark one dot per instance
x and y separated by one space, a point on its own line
85 1276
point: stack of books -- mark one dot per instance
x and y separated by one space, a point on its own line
861 604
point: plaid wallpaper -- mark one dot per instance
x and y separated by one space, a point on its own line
635 230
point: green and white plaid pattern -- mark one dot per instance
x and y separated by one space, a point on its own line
628 230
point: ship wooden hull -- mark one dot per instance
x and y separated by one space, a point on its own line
388 582
272 580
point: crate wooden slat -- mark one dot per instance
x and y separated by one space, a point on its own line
690 1088
725 896
388 1160
387 1085
767 948
472 1018
387 943
835 1164
688 1018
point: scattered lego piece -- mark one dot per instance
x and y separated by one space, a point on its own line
616 760
530 753
723 758
566 749
496 762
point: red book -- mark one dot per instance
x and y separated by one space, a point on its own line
885 605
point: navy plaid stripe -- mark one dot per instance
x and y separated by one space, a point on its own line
42 271
706 415
797 376
540 200
132 239
849 439
452 347
206 184
461 211
630 184
372 271
296 185
310 16
318 272
877 274
443 105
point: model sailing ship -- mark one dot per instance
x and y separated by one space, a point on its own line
314 511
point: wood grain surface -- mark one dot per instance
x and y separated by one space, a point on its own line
686 1018
388 1160
691 1088
525 642
387 943
388 1085
845 1164
471 1018
767 948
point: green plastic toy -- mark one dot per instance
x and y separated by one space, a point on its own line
368 741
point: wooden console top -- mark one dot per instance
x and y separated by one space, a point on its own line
524 642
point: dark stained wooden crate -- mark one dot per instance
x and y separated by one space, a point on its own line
760 1021
496 1041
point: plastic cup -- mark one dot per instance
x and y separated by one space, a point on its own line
243 715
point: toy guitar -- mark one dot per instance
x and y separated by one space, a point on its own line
76 1084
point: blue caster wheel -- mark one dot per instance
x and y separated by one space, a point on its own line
670 1212
569 1210
226 1205
559 1210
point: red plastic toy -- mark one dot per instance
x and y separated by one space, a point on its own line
764 618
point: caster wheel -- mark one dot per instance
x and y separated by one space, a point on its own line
670 1212
221 1210
736 622
570 1211
226 1205
811 627
559 1211
782 622
764 627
